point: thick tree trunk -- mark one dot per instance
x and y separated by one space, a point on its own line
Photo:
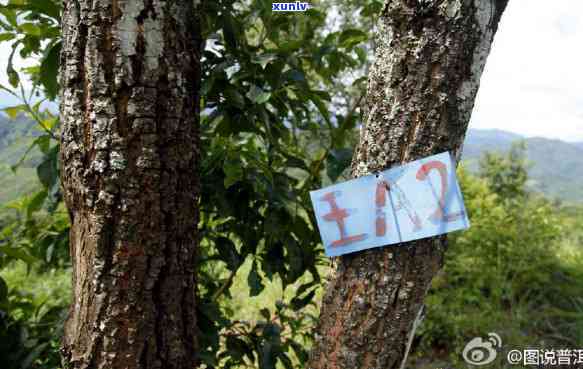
422 86
129 158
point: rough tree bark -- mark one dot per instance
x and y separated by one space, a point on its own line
429 59
130 76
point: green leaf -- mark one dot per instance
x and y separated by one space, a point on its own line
46 7
49 70
36 202
292 45
50 251
30 29
337 161
264 59
47 171
294 161
13 77
234 97
54 198
322 108
44 143
233 173
254 281
50 123
13 111
18 253
361 53
229 31
257 95
6 36
351 37
228 253
10 15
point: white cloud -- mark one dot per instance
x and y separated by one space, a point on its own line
533 82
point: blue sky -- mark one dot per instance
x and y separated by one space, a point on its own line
533 81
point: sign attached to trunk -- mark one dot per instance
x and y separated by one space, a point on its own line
417 200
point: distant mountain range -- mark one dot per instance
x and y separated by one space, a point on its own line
556 166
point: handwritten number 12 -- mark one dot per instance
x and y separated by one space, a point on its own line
339 215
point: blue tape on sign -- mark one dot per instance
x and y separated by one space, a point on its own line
417 200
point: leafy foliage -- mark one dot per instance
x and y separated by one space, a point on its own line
510 273
506 174
265 83
33 26
31 316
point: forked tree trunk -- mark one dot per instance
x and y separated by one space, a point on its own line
422 86
129 158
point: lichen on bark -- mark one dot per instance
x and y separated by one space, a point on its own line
130 76
421 89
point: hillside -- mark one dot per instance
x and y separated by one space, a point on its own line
15 138
556 166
